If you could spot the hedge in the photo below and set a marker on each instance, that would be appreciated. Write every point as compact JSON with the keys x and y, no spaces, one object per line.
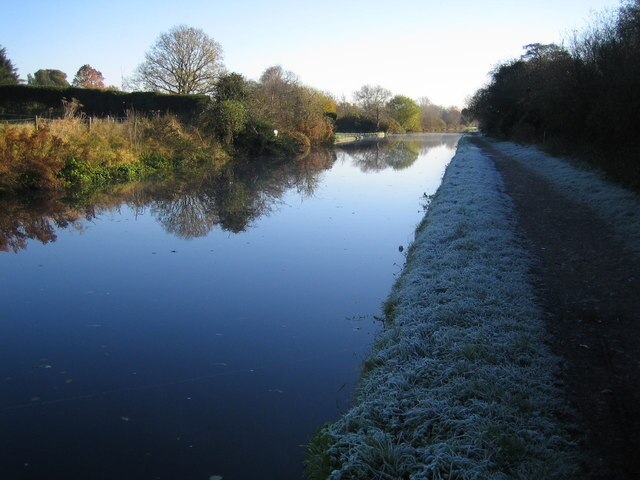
{"x":23,"y":99}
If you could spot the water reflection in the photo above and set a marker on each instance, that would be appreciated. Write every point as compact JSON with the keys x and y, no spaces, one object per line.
{"x":185,"y":358}
{"x":397,"y":152}
{"x":36,"y":218}
{"x":231,"y":197}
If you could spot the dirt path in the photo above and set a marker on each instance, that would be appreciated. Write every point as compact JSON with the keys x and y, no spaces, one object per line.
{"x":588,"y":284}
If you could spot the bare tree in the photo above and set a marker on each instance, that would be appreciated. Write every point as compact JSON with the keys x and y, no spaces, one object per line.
{"x":184,"y":60}
{"x":372,"y":99}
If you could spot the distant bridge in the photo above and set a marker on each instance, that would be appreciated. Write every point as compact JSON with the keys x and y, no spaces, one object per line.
{"x":354,"y":137}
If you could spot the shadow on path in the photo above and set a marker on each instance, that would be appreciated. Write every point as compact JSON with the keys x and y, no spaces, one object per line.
{"x":588,"y":285}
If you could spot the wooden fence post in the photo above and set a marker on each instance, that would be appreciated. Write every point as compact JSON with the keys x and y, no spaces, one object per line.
{"x":90,"y":120}
{"x":37,"y":122}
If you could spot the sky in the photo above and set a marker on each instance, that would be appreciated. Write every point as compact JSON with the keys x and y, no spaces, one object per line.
{"x":440,"y":49}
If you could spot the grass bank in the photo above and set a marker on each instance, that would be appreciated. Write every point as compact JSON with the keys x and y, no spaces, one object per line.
{"x":77,"y":154}
{"x":70,"y":153}
{"x":460,"y":383}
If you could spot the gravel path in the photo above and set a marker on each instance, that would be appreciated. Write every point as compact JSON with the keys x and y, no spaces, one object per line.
{"x":587,"y":280}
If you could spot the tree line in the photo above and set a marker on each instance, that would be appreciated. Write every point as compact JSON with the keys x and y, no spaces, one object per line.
{"x":86,"y":77}
{"x":242,"y":112}
{"x":577,"y":99}
{"x":374,"y":109}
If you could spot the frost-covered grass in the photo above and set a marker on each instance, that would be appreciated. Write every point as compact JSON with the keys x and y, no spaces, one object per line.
{"x":617,"y":207}
{"x":459,"y":384}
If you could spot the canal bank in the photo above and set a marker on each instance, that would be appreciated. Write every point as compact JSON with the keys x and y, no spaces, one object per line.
{"x":460,"y":383}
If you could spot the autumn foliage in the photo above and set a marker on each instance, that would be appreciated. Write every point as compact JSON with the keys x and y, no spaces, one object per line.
{"x":88,"y":77}
{"x":30,"y":159}
{"x":67,"y":153}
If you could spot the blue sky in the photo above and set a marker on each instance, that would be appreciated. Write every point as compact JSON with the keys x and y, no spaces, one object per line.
{"x":439,"y":49}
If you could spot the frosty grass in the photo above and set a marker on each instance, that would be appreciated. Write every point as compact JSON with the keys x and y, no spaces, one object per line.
{"x":460,"y":383}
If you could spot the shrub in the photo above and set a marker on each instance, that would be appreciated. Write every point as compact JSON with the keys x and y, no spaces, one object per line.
{"x":30,"y":159}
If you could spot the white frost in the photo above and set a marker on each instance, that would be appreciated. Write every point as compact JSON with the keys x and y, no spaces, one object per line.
{"x":460,"y":383}
{"x":615,"y":206}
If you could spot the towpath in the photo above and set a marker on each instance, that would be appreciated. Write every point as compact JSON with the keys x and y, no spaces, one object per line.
{"x":588,"y":284}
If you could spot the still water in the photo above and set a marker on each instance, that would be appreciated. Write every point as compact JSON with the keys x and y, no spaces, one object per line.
{"x":197,"y":327}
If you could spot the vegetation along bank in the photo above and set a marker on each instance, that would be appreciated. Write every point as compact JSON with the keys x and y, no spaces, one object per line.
{"x":460,"y":383}
{"x":580,"y":98}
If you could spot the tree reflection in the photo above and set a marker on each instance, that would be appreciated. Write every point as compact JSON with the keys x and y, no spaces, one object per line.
{"x":231,"y":197}
{"x":36,"y":218}
{"x":397,"y":152}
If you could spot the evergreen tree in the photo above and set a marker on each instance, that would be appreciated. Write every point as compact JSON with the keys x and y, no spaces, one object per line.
{"x":8,"y":73}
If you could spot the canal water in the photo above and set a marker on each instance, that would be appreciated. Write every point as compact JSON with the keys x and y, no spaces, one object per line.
{"x":199,"y":327}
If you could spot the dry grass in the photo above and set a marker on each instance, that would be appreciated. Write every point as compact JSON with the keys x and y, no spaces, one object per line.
{"x":72,"y":150}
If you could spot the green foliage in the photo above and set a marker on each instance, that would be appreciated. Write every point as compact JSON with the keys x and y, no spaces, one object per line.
{"x":231,"y":86}
{"x":394,"y":127}
{"x":232,"y":118}
{"x":227,"y":115}
{"x":19,"y":98}
{"x":355,"y":122}
{"x":48,"y":78}
{"x":317,"y":464}
{"x":76,"y":172}
{"x":8,"y":73}
{"x":406,"y":112}
{"x":258,"y":138}
{"x":156,"y":161}
{"x":402,"y":114}
{"x":79,"y":174}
